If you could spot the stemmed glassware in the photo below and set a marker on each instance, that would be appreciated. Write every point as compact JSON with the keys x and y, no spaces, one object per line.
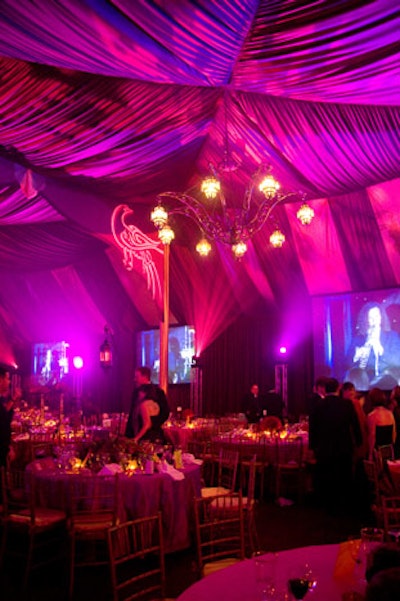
{"x":301,"y":580}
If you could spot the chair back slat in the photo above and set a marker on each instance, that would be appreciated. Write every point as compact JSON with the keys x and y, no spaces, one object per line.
{"x":136,"y":551}
{"x":219,"y":528}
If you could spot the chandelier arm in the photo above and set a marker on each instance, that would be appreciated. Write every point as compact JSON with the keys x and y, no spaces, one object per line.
{"x":191,"y":207}
{"x":221,"y":192}
{"x":249,"y":194}
{"x":264,"y":211}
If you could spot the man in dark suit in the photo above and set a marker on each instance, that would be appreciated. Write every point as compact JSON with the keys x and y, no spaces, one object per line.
{"x":334,"y":429}
{"x":318,"y":393}
{"x":253,"y":405}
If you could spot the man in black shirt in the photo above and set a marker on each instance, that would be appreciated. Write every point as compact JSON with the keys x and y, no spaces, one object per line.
{"x":149,"y":409}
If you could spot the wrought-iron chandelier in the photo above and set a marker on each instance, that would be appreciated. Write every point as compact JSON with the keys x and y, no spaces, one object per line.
{"x":216,"y":218}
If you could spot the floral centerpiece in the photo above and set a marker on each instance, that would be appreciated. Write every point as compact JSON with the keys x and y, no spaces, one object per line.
{"x":188,"y":415}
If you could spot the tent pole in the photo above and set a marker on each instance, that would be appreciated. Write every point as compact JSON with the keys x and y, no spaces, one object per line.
{"x":164,"y":325}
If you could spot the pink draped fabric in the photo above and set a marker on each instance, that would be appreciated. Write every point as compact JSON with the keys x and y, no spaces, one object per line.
{"x":279,"y":48}
{"x":74,"y":291}
{"x":319,"y":250}
{"x":209,"y":308}
{"x":385,"y":201}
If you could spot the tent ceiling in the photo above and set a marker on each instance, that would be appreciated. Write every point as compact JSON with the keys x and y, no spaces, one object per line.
{"x":113,"y":102}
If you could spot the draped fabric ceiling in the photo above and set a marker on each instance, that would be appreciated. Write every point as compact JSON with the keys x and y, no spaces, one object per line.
{"x":109,"y":103}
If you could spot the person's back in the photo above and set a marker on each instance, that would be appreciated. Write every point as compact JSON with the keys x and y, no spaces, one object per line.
{"x":384,"y":586}
{"x":158,"y":395}
{"x":334,"y":430}
{"x":381,"y":423}
{"x":335,"y":426}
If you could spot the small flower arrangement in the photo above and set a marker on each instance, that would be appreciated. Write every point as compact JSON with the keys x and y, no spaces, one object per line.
{"x":188,"y":415}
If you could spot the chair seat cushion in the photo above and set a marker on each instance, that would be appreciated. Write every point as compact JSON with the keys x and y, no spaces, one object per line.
{"x":43,"y":517}
{"x":220,"y":564}
{"x":213,"y":491}
{"x":93,"y":523}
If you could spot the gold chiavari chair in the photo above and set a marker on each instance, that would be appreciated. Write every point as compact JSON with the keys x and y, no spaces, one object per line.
{"x":136,"y":551}
{"x":219,"y":532}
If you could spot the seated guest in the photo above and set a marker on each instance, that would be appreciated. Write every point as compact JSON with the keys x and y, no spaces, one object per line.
{"x":383,"y":557}
{"x":381,"y":424}
{"x":384,"y":586}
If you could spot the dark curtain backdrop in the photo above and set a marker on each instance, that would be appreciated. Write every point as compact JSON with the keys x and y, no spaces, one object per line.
{"x":246,"y":353}
{"x":252,"y":344}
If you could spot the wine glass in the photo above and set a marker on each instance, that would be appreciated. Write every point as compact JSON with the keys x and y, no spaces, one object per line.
{"x":301,"y":580}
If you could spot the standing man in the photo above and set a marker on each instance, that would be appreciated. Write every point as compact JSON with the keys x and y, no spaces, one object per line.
{"x":334,"y":429}
{"x":6,"y":414}
{"x":149,"y":409}
{"x":318,"y":393}
{"x":253,"y":405}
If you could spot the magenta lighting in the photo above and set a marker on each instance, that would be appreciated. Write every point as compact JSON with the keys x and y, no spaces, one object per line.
{"x":283,"y":350}
{"x":77,"y":362}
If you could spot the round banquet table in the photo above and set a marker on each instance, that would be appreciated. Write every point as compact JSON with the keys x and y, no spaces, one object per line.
{"x":265,"y":448}
{"x":332,"y":565}
{"x":141,"y":495}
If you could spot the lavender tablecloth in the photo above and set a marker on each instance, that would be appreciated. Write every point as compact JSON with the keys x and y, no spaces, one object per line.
{"x":140,"y":495}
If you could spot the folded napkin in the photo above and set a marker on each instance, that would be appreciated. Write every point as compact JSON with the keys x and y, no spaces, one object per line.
{"x":38,"y":465}
{"x":189,"y":458}
{"x":24,"y":436}
{"x":110,"y":469}
{"x":345,"y":561}
{"x":169,"y":469}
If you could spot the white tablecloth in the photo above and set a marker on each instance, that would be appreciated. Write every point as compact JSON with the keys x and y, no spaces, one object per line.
{"x":238,"y":582}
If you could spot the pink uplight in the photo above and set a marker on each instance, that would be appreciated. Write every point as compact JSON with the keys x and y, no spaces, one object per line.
{"x":77,"y":362}
{"x":283,"y":350}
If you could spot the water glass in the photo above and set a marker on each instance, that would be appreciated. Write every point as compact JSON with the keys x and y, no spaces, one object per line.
{"x":370,"y":539}
{"x":265,"y":574}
